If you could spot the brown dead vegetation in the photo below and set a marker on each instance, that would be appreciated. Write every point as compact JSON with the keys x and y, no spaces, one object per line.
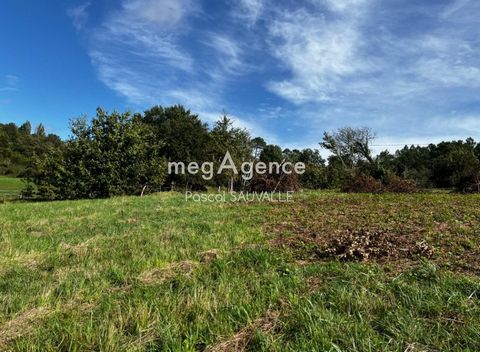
{"x":209,"y":256}
{"x":367,"y":184}
{"x":25,"y":323}
{"x":386,"y":230}
{"x":80,"y":249}
{"x":240,"y":341}
{"x":364,"y":245}
{"x":160,"y":275}
{"x":22,"y":324}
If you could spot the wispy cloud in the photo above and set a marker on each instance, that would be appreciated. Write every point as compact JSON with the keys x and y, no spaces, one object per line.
{"x":229,"y":54}
{"x":145,"y":51}
{"x":455,"y":6}
{"x":250,"y":10}
{"x":312,"y":65}
{"x":137,"y":52}
{"x":347,"y":56}
{"x":10,"y":84}
{"x":79,"y":15}
{"x":319,"y":53}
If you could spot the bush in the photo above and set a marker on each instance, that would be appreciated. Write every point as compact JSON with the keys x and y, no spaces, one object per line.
{"x":399,"y":185}
{"x":367,"y":184}
{"x":363,"y":184}
{"x":469,"y":185}
{"x":114,"y":154}
{"x":315,"y":177}
{"x":274,"y":183}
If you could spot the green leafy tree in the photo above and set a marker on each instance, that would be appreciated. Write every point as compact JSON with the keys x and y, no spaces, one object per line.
{"x":185,"y":138}
{"x":271,"y":153}
{"x":225,"y":137}
{"x":258,"y":143}
{"x":115,"y":154}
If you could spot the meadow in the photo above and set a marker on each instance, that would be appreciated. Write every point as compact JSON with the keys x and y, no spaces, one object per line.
{"x":10,"y":187}
{"x":329,"y":272}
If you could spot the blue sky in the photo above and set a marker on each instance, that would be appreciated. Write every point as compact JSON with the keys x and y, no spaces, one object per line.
{"x":285,"y":70}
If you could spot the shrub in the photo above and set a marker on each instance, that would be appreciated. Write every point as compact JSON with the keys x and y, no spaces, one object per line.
{"x":274,"y":183}
{"x":367,"y":184}
{"x":363,"y":184}
{"x":399,"y":185}
{"x":314,"y":177}
{"x":469,"y":185}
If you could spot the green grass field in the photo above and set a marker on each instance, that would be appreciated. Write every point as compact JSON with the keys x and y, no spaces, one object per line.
{"x":10,"y":187}
{"x":330,"y":272}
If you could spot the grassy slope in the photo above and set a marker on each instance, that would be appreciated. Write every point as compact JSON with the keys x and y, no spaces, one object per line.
{"x":10,"y":186}
{"x":128,"y":274}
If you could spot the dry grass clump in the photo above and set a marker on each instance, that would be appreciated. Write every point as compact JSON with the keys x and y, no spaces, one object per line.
{"x":25,"y":323}
{"x":209,"y":256}
{"x":22,"y":324}
{"x":240,"y":341}
{"x":363,"y":184}
{"x":159,"y":275}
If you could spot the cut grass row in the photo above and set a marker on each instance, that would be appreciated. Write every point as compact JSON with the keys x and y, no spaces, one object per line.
{"x":130,"y":274}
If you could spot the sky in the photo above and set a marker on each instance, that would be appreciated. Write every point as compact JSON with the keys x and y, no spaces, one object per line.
{"x":286,"y":70}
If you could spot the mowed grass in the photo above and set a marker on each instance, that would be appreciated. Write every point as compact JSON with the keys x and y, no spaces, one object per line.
{"x":10,"y":187}
{"x":158,"y":273}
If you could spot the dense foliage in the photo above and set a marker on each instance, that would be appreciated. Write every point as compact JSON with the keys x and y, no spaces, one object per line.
{"x":453,"y":164}
{"x":123,"y":153}
{"x":18,"y":146}
{"x":115,"y":154}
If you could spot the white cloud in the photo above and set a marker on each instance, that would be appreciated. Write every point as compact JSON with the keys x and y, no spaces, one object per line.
{"x":165,"y":13}
{"x":149,"y":38}
{"x":358,"y":58}
{"x":144,"y":52}
{"x":10,"y":84}
{"x":136,"y":51}
{"x":228,"y":53}
{"x":320,"y":53}
{"x":455,"y":6}
{"x":250,"y":10}
{"x":329,"y":62}
{"x":79,"y":15}
{"x":353,"y":6}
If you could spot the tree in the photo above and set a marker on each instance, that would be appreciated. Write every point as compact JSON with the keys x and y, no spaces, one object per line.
{"x":258,"y":143}
{"x":185,"y":139}
{"x":18,"y":146}
{"x":225,"y":137}
{"x":454,"y":164}
{"x":336,"y":173}
{"x":25,"y":129}
{"x":351,"y":154}
{"x":271,"y":153}
{"x":115,"y":154}
{"x":40,"y":131}
{"x":349,"y":145}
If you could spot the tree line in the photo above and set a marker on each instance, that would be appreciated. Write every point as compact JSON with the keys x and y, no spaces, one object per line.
{"x":20,"y":145}
{"x":126,"y":154}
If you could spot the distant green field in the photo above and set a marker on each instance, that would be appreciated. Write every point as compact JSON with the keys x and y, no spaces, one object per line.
{"x":330,"y":272}
{"x":10,"y":186}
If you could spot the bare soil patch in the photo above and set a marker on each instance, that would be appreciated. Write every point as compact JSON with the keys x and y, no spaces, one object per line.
{"x":384,"y":229}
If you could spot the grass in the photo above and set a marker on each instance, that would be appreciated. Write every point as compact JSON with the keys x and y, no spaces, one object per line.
{"x":160,"y":274}
{"x":10,"y":187}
